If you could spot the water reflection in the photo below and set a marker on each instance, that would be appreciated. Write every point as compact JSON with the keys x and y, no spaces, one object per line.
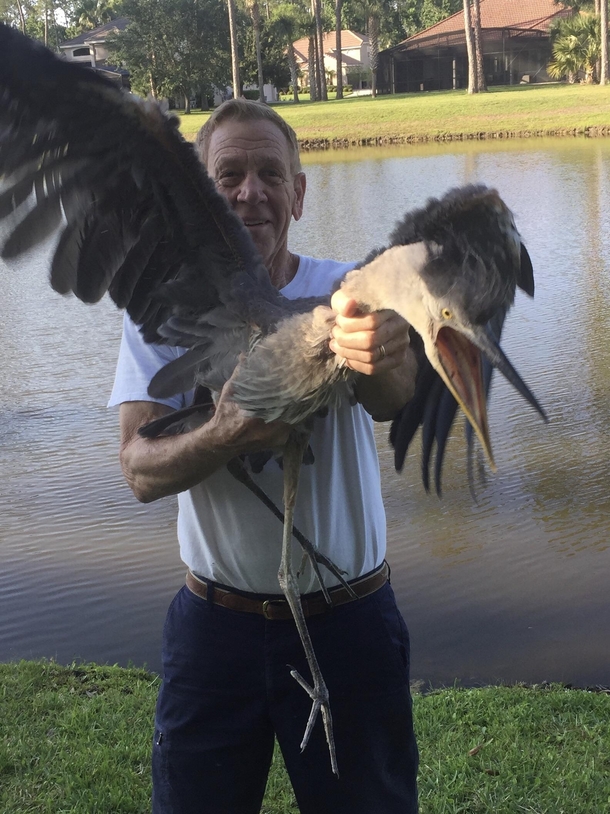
{"x":511,"y":587}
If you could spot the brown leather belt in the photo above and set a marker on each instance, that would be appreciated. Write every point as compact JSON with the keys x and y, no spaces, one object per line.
{"x":277,"y":607}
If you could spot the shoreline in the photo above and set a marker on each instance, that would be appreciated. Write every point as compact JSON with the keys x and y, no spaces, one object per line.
{"x":312,"y":145}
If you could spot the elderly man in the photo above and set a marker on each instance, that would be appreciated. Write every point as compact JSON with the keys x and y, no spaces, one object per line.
{"x":227,"y":690}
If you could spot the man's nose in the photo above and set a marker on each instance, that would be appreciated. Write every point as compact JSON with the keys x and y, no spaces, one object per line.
{"x":251,"y":190}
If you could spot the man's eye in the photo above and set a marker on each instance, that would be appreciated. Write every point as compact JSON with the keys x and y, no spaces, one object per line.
{"x":227,"y":179}
{"x":273,"y":176}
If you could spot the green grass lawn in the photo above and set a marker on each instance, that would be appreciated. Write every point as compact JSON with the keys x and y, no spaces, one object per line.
{"x":76,"y":740}
{"x":533,"y":109}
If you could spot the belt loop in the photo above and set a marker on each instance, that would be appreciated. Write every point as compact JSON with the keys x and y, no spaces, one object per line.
{"x":387,"y":565}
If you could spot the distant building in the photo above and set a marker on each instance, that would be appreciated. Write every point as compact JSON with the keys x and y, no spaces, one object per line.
{"x":355,"y":59}
{"x":90,"y":48}
{"x":516,"y":49}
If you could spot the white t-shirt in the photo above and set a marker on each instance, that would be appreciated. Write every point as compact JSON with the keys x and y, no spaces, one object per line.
{"x":225,"y":533}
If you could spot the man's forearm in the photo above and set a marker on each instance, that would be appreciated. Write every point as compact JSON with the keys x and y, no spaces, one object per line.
{"x":158,"y":467}
{"x":384,"y":394}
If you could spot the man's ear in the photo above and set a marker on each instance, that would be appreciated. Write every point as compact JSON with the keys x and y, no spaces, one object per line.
{"x":300,"y":185}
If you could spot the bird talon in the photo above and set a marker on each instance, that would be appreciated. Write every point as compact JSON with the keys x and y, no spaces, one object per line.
{"x":319,"y":696}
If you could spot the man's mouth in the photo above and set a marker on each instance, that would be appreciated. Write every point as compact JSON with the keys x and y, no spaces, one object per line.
{"x":253,"y":223}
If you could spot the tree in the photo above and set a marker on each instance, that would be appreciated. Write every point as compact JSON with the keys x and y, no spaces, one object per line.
{"x":478,"y":46}
{"x":603,"y":27}
{"x":338,"y":29}
{"x":234,"y":47}
{"x":289,"y":22}
{"x":255,"y":16}
{"x":38,"y":19}
{"x":374,"y":12}
{"x":274,"y":64}
{"x":93,"y":13}
{"x":374,"y":15}
{"x":312,"y":68}
{"x":174,"y":46}
{"x":470,"y":48}
{"x":576,"y":47}
{"x":433,"y":11}
{"x":319,"y":49}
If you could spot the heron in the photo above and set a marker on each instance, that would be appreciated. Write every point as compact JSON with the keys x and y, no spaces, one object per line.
{"x":138,"y":217}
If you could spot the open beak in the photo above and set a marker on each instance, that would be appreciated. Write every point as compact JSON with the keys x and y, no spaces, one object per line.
{"x":460,"y":367}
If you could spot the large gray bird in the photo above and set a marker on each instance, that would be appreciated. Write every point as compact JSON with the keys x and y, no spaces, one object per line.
{"x":139,"y":218}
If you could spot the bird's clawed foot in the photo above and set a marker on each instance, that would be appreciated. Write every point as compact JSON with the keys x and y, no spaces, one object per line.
{"x":319,"y":696}
{"x":315,"y":556}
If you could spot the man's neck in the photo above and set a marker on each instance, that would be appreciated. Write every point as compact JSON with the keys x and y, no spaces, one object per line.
{"x":283,"y":272}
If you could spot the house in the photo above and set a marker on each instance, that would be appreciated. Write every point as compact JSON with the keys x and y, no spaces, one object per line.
{"x":355,"y":58}
{"x":516,"y":49}
{"x":90,"y":48}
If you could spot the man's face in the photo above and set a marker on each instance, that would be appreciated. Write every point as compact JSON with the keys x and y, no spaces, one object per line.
{"x":250,"y":163}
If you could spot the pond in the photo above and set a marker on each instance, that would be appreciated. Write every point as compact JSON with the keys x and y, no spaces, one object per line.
{"x":512,"y":587}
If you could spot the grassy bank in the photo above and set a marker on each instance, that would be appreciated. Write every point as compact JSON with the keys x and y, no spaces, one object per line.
{"x":525,"y":110}
{"x":77,"y":740}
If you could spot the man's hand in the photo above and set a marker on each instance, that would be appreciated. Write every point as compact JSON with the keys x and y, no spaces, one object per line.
{"x":370,"y":343}
{"x":232,"y":429}
{"x":377,"y":345}
{"x":162,"y":466}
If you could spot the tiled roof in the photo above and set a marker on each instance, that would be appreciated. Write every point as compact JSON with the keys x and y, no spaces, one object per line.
{"x":525,"y":14}
{"x":99,"y":34}
{"x":349,"y":39}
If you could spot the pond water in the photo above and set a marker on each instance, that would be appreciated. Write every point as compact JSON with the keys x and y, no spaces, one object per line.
{"x":510,"y":588}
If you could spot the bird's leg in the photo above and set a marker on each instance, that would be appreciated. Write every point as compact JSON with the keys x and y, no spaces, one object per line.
{"x":238,"y":471}
{"x":293,"y":455}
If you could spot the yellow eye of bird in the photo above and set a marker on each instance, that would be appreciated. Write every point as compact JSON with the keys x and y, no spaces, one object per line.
{"x":446,"y":313}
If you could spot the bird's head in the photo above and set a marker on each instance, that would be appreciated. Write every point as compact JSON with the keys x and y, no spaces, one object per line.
{"x":451,"y":271}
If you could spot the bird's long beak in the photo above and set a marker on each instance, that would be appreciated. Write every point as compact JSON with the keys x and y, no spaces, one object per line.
{"x":460,"y":367}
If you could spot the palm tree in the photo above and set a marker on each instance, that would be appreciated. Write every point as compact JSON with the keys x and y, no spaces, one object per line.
{"x":470,"y":48}
{"x":603,"y":27}
{"x":92,"y":13}
{"x":373,"y":11}
{"x":289,"y":22}
{"x":253,"y":8}
{"x":576,"y":47}
{"x":234,"y":48}
{"x":317,"y":13}
{"x":373,"y":26}
{"x":338,"y":29}
{"x":478,"y":46}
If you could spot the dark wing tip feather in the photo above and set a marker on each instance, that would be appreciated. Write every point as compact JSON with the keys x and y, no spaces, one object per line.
{"x":525,"y":278}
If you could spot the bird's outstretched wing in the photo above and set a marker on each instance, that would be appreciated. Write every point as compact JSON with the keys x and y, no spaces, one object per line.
{"x":133,"y":204}
{"x":433,"y":407}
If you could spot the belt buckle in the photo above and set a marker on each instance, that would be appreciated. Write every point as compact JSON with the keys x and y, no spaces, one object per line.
{"x":268,"y":603}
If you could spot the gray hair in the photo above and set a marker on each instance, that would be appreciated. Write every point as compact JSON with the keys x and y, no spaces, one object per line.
{"x":246,"y":110}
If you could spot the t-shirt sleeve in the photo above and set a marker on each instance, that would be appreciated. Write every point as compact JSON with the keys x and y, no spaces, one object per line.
{"x":137,"y":364}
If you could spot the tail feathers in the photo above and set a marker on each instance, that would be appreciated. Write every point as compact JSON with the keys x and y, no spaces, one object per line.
{"x":408,"y":421}
{"x":447,"y":409}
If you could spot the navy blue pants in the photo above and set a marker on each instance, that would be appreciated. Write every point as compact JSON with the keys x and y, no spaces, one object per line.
{"x":227,"y":691}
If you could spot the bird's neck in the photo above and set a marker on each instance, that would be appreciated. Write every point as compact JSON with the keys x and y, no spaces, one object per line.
{"x":390,"y":280}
